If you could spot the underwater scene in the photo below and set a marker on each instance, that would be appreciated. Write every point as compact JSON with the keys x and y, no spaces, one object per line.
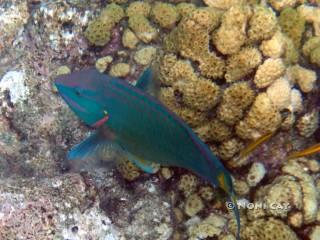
{"x":159,"y":120}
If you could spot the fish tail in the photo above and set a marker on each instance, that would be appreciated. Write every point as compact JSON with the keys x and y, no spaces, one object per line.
{"x":233,"y":200}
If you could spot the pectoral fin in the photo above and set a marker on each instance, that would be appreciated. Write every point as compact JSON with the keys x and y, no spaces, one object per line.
{"x":147,"y":82}
{"x":99,"y":144}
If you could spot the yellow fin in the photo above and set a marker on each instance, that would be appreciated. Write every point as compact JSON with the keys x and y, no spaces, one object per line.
{"x":254,"y":144}
{"x":305,"y":152}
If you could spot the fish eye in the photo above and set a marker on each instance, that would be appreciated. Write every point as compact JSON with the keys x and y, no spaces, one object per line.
{"x":78,"y":91}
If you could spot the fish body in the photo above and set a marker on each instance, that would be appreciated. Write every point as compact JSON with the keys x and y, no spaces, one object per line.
{"x":140,"y":125}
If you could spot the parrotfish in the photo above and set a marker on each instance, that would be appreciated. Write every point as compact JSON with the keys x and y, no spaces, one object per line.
{"x":128,"y":118}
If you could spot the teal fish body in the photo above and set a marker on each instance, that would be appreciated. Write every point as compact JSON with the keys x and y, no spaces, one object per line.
{"x":140,"y":124}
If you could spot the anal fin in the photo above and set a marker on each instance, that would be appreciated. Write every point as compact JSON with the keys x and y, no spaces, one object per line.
{"x":146,"y":166}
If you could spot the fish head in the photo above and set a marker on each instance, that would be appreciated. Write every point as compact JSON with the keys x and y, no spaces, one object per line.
{"x":84,"y":92}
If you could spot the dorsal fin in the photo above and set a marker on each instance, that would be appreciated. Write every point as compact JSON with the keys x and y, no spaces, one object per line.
{"x":147,"y":82}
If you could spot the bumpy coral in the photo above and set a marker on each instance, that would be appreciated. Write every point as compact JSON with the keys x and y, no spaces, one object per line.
{"x":138,"y":8}
{"x":242,"y":64}
{"x":268,"y":229}
{"x":184,"y":9}
{"x":280,"y":93}
{"x":233,"y":27}
{"x":120,"y":70}
{"x":223,"y":4}
{"x":206,"y":193}
{"x":98,"y":31}
{"x":308,"y":189}
{"x":293,"y":24}
{"x":310,"y":45}
{"x":268,"y":72}
{"x":262,"y":25}
{"x":193,"y":205}
{"x":281,"y":4}
{"x":214,"y":131}
{"x":274,"y":47}
{"x":292,"y":195}
{"x":236,"y":98}
{"x":145,"y":55}
{"x":305,"y":78}
{"x":311,"y":15}
{"x":128,"y":170}
{"x":315,"y":56}
{"x":229,"y":148}
{"x":196,"y":27}
{"x":142,"y":28}
{"x":256,"y":174}
{"x":241,"y":187}
{"x":165,"y":14}
{"x":201,"y":95}
{"x":102,"y":63}
{"x":212,"y":226}
{"x":308,"y":123}
{"x":188,"y":184}
{"x":311,"y":49}
{"x":172,"y":70}
{"x":262,"y":118}
{"x":129,"y":39}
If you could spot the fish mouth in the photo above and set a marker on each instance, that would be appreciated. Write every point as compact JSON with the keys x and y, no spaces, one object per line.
{"x":62,"y":89}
